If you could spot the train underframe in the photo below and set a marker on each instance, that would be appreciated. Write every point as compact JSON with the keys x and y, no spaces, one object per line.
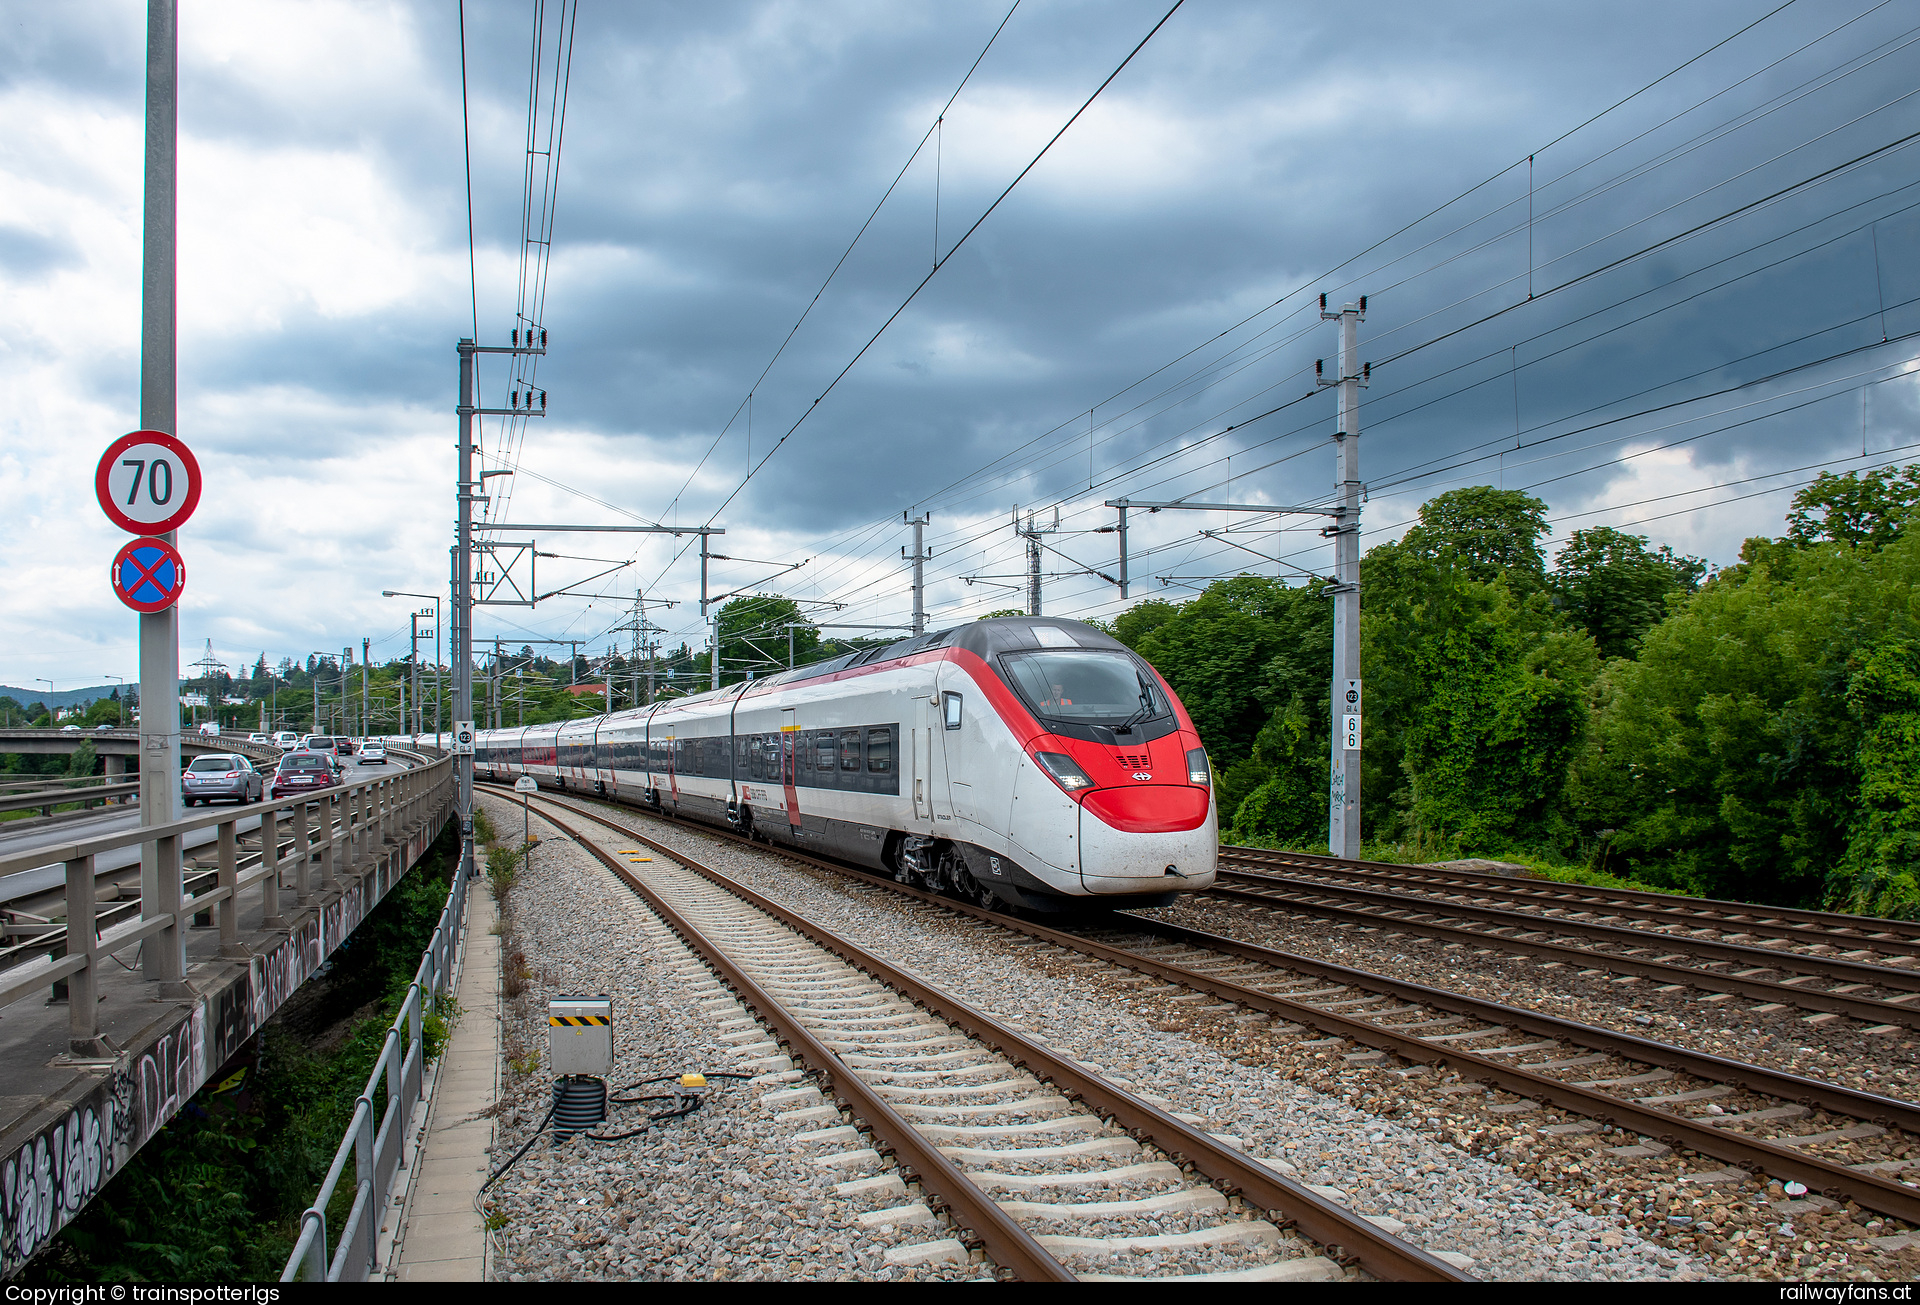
{"x":965,"y":871}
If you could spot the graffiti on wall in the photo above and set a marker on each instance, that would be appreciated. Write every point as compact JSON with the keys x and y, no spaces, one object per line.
{"x":45,"y":1182}
{"x":48,"y":1178}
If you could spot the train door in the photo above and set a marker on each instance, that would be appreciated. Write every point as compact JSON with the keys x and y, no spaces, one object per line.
{"x":578,"y":758}
{"x":789,"y":780}
{"x":929,"y":782}
{"x":951,"y":728}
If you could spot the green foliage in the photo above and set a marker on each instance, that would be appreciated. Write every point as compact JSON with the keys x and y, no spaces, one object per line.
{"x":1880,"y":873}
{"x":1483,"y":534}
{"x":483,"y":831}
{"x":216,"y":1195}
{"x":503,"y":869}
{"x":81,"y":764}
{"x":1474,"y":686}
{"x":1867,"y":510}
{"x":1612,"y":586}
{"x":753,"y":636}
{"x":1726,"y":759}
{"x":1487,"y":750}
{"x":1005,"y":611}
{"x":1215,"y":652}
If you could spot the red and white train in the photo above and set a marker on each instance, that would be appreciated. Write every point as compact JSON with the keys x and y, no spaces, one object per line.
{"x":1019,"y":760}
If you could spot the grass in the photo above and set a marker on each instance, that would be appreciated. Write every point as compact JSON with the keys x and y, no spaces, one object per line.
{"x":1416,"y":853}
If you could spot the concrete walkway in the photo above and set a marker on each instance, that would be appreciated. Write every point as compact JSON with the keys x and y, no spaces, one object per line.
{"x":440,"y":1237}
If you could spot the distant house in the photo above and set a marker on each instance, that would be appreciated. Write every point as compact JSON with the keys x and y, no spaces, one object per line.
{"x":587,"y":690}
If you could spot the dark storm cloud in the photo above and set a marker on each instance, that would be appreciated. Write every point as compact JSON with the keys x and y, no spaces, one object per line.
{"x":726,"y":153}
{"x":718,"y":158}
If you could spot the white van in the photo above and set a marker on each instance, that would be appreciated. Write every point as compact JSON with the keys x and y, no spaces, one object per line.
{"x":286,"y":740}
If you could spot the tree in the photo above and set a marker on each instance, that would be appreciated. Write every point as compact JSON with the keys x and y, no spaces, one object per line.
{"x":1214,"y":653}
{"x":1880,"y":873}
{"x":1867,"y":510}
{"x":1142,"y":619}
{"x":1610,"y":585}
{"x":1726,"y":759}
{"x":1005,"y":611}
{"x":260,"y":670}
{"x":753,"y":637}
{"x":1483,"y":534}
{"x":1428,"y":615}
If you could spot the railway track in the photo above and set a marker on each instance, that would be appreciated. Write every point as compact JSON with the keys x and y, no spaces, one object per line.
{"x":1778,"y":971}
{"x":1037,"y":1154}
{"x":1843,"y":1144}
{"x":1696,"y":914}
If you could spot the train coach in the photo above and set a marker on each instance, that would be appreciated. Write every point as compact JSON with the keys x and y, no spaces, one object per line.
{"x":1017,"y":761}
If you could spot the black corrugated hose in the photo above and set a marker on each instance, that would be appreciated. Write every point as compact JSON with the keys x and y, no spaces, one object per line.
{"x":580,"y":1103}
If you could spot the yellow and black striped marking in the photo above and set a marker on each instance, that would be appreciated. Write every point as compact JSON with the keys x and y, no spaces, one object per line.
{"x":579,"y":1020}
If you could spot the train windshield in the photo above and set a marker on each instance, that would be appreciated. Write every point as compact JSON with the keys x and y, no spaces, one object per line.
{"x":1092,"y":688}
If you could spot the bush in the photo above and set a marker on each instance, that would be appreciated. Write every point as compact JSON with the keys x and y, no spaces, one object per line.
{"x":503,"y":869}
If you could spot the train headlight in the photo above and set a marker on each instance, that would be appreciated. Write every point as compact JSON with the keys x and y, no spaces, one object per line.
{"x":1065,"y":772}
{"x":1198,"y":772}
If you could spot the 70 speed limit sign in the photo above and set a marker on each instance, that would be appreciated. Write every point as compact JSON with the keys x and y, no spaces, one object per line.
{"x":147,"y":482}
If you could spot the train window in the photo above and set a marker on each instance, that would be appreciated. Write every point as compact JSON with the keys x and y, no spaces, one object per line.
{"x":823,"y":753}
{"x":879,"y":751}
{"x":950,"y":704}
{"x":1098,"y":688}
{"x":850,"y":750}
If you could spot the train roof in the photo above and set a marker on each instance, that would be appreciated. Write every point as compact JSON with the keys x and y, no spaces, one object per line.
{"x":985,"y":639}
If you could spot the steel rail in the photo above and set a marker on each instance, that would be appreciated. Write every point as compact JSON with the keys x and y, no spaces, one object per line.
{"x":1832,"y":967}
{"x":1437,"y":889}
{"x":1834,"y":1181}
{"x":1010,"y":1245}
{"x":1342,"y":1232}
{"x":1862,"y":1008}
{"x":1889,"y":1112}
{"x":1548,"y":889}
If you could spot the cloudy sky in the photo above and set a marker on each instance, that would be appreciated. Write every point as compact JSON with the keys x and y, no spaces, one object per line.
{"x":1669,"y":318}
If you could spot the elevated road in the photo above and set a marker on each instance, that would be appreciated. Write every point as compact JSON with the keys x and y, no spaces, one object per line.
{"x":107,"y":1030}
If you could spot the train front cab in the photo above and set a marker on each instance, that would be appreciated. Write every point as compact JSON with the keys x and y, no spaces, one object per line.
{"x":1110,"y":793}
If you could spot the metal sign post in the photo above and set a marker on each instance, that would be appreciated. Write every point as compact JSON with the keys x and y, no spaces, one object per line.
{"x":163,"y":957}
{"x":526,"y":786}
{"x":1343,"y":789}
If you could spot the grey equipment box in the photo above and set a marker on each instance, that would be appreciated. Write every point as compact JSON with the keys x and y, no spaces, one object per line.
{"x":580,"y":1035}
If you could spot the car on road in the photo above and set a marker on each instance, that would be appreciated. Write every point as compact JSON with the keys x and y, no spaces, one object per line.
{"x":304,"y":772}
{"x":210,"y":728}
{"x":286,"y":740}
{"x":217,"y":776}
{"x":373,"y":754}
{"x":258,"y":738}
{"x":343,"y":745}
{"x":65,"y":728}
{"x":106,"y":727}
{"x":317,"y":743}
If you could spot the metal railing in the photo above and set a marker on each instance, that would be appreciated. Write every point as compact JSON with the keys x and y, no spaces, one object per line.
{"x":398,"y":1076}
{"x":309,"y":844}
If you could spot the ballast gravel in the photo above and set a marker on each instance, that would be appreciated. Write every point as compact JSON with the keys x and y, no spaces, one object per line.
{"x":721,"y":1193}
{"x":1447,"y":1199}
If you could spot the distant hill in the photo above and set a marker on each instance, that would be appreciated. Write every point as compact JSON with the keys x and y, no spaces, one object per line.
{"x":64,"y":698}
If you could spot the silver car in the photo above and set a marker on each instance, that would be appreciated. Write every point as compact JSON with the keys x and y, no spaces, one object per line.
{"x":220,"y":776}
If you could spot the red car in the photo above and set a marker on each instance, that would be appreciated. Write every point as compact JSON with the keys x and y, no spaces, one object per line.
{"x":304,"y":772}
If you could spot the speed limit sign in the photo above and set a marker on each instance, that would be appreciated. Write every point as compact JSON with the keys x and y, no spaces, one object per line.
{"x":147,"y":482}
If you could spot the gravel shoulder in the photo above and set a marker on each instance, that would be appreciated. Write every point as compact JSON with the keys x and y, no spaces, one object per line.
{"x":724,"y":1193}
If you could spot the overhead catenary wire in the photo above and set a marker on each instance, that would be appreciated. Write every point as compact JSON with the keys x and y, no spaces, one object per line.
{"x":870,"y":531}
